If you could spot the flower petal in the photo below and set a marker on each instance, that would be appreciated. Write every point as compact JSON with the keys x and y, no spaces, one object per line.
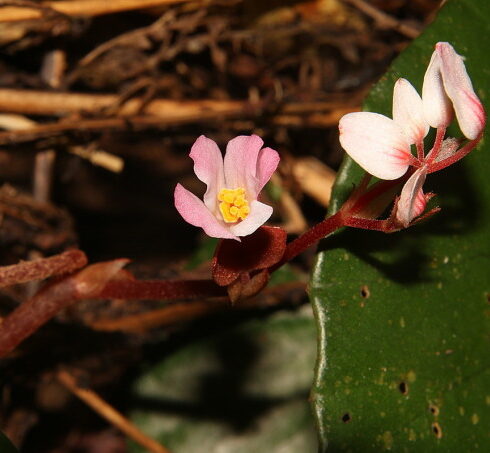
{"x":438,"y":110}
{"x":408,"y":111}
{"x":376,"y":143}
{"x":193,"y":210}
{"x":241,"y":163}
{"x":208,"y":167}
{"x":259,"y":214}
{"x":468,"y":108}
{"x":267,"y":163}
{"x":412,"y":200}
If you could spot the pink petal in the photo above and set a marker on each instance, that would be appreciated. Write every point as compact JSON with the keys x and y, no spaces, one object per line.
{"x":259,"y":214}
{"x":241,"y":163}
{"x":412,"y":200}
{"x":193,"y":210}
{"x":438,"y":110}
{"x":208,"y":166}
{"x":376,"y":143}
{"x":408,"y":111}
{"x":266,"y":165}
{"x":468,"y":108}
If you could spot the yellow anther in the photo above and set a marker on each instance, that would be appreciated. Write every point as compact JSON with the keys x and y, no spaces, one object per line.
{"x":234,"y":205}
{"x":240,"y":201}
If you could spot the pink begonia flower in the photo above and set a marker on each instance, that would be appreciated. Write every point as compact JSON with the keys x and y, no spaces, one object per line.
{"x":230,"y":207}
{"x":447,"y":86}
{"x":412,"y":200}
{"x":382,"y":146}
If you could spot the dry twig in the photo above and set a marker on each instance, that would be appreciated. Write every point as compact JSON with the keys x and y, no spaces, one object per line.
{"x":81,"y":8}
{"x":135,"y":114}
{"x":108,"y":412}
{"x":61,"y":104}
{"x":384,"y":20}
{"x":314,"y":178}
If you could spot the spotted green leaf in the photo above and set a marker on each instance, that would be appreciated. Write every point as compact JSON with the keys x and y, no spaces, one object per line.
{"x":404,"y":319}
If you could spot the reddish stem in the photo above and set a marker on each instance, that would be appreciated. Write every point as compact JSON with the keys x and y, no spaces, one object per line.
{"x":34,"y":312}
{"x":434,"y":152}
{"x":160,"y":290}
{"x":374,"y":192}
{"x":55,"y":296}
{"x":369,"y":224}
{"x":420,"y":150}
{"x":27,"y":271}
{"x":413,"y":161}
{"x":458,"y":155}
{"x":313,"y":235}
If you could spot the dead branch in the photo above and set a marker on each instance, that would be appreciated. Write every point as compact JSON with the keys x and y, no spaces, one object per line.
{"x":61,"y":104}
{"x":314,"y":178}
{"x":384,"y":20}
{"x":81,"y":8}
{"x":173,"y":314}
{"x":108,"y":412}
{"x":100,"y":124}
{"x":26,"y":220}
{"x":136,"y":114}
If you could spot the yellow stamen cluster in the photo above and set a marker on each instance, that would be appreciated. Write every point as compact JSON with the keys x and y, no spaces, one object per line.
{"x":233,"y":206}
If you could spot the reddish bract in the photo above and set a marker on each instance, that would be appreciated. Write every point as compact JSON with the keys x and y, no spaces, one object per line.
{"x":260,"y":250}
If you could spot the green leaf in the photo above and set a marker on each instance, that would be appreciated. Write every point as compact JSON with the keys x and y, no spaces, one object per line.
{"x":5,"y":445}
{"x":404,"y":318}
{"x":241,"y":390}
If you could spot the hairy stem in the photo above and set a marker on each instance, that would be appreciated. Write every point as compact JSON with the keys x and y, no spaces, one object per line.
{"x":26,"y":271}
{"x":458,"y":155}
{"x":160,"y":290}
{"x":311,"y":237}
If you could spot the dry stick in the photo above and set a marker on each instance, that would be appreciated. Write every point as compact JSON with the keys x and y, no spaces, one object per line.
{"x":141,"y":122}
{"x":294,"y":221}
{"x":43,"y":175}
{"x":314,"y":119}
{"x":133,"y":123}
{"x":159,"y":112}
{"x":106,"y":411}
{"x":43,"y":181}
{"x":63,"y":263}
{"x":49,"y":103}
{"x":314,"y":177}
{"x":56,"y":103}
{"x":162,"y":317}
{"x":81,"y":8}
{"x":384,"y":20}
